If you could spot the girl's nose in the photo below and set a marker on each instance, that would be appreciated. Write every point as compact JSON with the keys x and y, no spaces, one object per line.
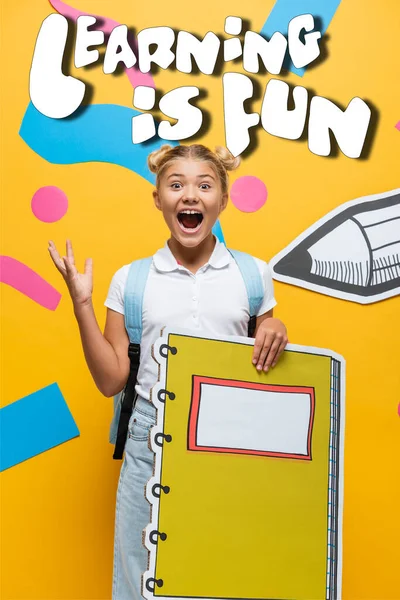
{"x":190,"y":195}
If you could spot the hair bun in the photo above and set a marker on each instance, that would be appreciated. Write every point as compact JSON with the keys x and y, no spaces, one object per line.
{"x":229,"y":161}
{"x":156,"y":157}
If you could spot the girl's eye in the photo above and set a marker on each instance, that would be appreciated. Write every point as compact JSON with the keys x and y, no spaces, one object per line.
{"x":176,"y":186}
{"x":205,"y":186}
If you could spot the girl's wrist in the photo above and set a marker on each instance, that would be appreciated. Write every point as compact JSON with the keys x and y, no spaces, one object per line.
{"x":81,"y":309}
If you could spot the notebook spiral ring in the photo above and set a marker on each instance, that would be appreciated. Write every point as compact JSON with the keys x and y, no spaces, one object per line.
{"x":157,"y":488}
{"x":156,"y":582}
{"x":165,"y":436}
{"x":162,"y":394}
{"x":164,"y":350}
{"x":154,"y":535}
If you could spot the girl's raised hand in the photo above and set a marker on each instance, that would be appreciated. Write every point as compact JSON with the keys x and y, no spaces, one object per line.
{"x":80,"y":285}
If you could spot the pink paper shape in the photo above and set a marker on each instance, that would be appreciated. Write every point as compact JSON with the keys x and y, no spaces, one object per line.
{"x":398,"y":125}
{"x":49,"y":204}
{"x":248,"y":193}
{"x":135,"y":76}
{"x":25,"y":280}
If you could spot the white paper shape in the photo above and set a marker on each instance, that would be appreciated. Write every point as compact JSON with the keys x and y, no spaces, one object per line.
{"x":250,"y":419}
{"x":352,"y":253}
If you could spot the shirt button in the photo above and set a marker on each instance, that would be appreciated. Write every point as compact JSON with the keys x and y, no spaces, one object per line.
{"x":194,"y":298}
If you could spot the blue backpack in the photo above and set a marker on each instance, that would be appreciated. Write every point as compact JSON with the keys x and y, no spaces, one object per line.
{"x":133,"y":301}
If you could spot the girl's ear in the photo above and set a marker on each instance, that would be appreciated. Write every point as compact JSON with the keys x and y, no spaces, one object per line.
{"x":224,"y":202}
{"x":156,"y":198}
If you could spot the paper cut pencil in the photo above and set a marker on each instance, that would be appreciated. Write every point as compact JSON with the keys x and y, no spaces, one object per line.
{"x":352,"y":253}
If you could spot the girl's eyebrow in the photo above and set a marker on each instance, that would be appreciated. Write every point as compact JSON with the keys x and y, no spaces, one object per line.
{"x":206,"y":175}
{"x":175,"y":175}
{"x":183,"y":176}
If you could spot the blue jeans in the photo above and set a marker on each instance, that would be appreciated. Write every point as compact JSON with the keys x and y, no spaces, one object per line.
{"x":132,"y":509}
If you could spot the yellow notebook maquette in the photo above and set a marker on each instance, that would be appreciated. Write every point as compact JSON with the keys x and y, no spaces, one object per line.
{"x":247,"y":488}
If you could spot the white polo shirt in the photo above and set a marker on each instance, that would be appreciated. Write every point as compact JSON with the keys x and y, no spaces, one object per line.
{"x":213,"y":300}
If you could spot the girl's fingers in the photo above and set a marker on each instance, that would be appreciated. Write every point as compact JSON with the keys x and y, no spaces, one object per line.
{"x":56,"y":258}
{"x":268,"y":341}
{"x":278,"y":354}
{"x":258,"y":344}
{"x":53,"y":251}
{"x":268,"y":346}
{"x":70,"y":252}
{"x":272,"y":353}
{"x":70,"y":268}
{"x":88,"y":267}
{"x":66,"y":264}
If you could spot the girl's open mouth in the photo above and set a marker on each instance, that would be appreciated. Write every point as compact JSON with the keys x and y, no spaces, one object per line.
{"x":190,"y":220}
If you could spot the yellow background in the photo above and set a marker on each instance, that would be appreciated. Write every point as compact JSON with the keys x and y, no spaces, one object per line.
{"x":243,"y":526}
{"x":57,"y":508}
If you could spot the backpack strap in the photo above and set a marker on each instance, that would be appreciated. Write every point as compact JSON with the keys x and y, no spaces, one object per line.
{"x":133,"y":303}
{"x":133,"y":300}
{"x":253,"y":282}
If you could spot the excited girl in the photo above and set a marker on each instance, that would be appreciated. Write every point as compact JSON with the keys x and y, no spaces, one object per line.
{"x":193,"y":282}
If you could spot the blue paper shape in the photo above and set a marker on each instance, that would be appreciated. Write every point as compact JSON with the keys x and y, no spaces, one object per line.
{"x":284,"y":11}
{"x":217,"y":231}
{"x":99,"y":132}
{"x":33,"y":425}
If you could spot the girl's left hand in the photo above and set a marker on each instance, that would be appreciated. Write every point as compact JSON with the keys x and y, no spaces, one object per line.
{"x":270,"y":342}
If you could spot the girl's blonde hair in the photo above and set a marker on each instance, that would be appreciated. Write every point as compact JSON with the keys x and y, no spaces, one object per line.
{"x":221,"y":160}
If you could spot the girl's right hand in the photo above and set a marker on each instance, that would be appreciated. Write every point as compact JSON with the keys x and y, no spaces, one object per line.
{"x":80,"y":285}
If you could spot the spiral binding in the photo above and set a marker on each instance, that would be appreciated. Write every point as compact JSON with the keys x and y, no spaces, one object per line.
{"x":155,"y":536}
{"x":165,"y":488}
{"x":172,"y":349}
{"x":166,"y":436}
{"x":162,"y":394}
{"x":157,"y":582}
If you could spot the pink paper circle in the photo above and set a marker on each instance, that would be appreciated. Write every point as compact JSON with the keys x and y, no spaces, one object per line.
{"x":248,"y":193}
{"x":49,"y":204}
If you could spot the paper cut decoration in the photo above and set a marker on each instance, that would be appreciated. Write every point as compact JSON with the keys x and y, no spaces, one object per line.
{"x":352,"y":253}
{"x":247,"y":488}
{"x":22,"y":278}
{"x":106,"y":25}
{"x":286,"y":10}
{"x":100,"y":132}
{"x":35,"y":424}
{"x":49,"y":204}
{"x":248,"y":193}
{"x":217,"y":231}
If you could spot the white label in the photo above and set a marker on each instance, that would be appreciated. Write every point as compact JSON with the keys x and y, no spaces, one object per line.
{"x":264,"y":420}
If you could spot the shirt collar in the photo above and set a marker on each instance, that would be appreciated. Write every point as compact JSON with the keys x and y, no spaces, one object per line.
{"x":165,"y":261}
